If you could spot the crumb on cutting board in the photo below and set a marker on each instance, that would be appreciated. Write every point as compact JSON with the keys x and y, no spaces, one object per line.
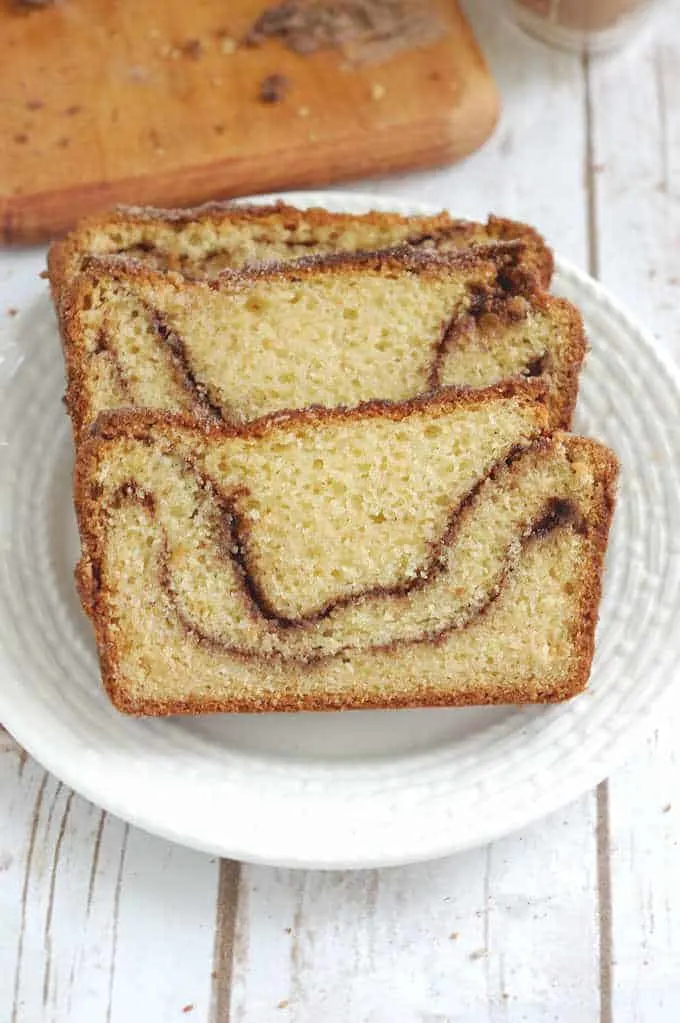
{"x":192,"y":48}
{"x":273,"y":88}
{"x":228,"y":45}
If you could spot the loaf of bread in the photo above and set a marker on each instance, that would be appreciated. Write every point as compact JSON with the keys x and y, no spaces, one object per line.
{"x":443,"y":551}
{"x":332,"y":331}
{"x":202,"y":242}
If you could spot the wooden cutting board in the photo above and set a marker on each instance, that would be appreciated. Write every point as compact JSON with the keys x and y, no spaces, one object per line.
{"x":158,"y":102}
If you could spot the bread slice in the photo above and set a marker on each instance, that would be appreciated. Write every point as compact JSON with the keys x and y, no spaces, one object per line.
{"x":439,"y":552}
{"x":202,"y":242}
{"x":332,"y":331}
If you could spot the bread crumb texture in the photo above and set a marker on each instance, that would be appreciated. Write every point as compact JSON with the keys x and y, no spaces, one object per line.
{"x":445,"y":552}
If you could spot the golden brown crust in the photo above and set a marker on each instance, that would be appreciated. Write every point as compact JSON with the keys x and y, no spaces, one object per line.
{"x":567,"y":375}
{"x":140,"y":425}
{"x":65,"y":256}
{"x":542,"y":258}
{"x":136,"y":423}
{"x":218,"y":213}
{"x":607,"y":471}
{"x":76,"y":397}
{"x":513,"y":693}
{"x":507,"y":258}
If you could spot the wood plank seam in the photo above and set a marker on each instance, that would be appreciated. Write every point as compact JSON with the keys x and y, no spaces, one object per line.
{"x":116,"y":915}
{"x":24,"y":893}
{"x":296,"y":960}
{"x":95,"y":861}
{"x":589,"y":172}
{"x":50,"y":900}
{"x":486,"y":922}
{"x":226,"y":913}
{"x":663,"y":120}
{"x":604,"y":890}
{"x":602,"y":828}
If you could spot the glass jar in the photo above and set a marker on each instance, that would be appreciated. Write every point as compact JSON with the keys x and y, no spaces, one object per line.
{"x":594,"y":26}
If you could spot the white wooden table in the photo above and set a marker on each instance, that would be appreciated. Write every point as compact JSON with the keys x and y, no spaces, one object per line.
{"x":578,"y":918}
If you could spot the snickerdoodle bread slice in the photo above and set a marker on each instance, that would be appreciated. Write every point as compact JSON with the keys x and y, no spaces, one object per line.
{"x":334,"y":331}
{"x":443,"y":551}
{"x":201,"y":242}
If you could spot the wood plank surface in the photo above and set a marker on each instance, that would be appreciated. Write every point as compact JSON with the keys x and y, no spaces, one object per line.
{"x":98,"y":921}
{"x":471,"y":938}
{"x":575,"y":919}
{"x":636,"y":184}
{"x":155,"y":102}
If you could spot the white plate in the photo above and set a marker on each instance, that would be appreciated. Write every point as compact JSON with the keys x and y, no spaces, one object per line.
{"x":355,"y":789}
